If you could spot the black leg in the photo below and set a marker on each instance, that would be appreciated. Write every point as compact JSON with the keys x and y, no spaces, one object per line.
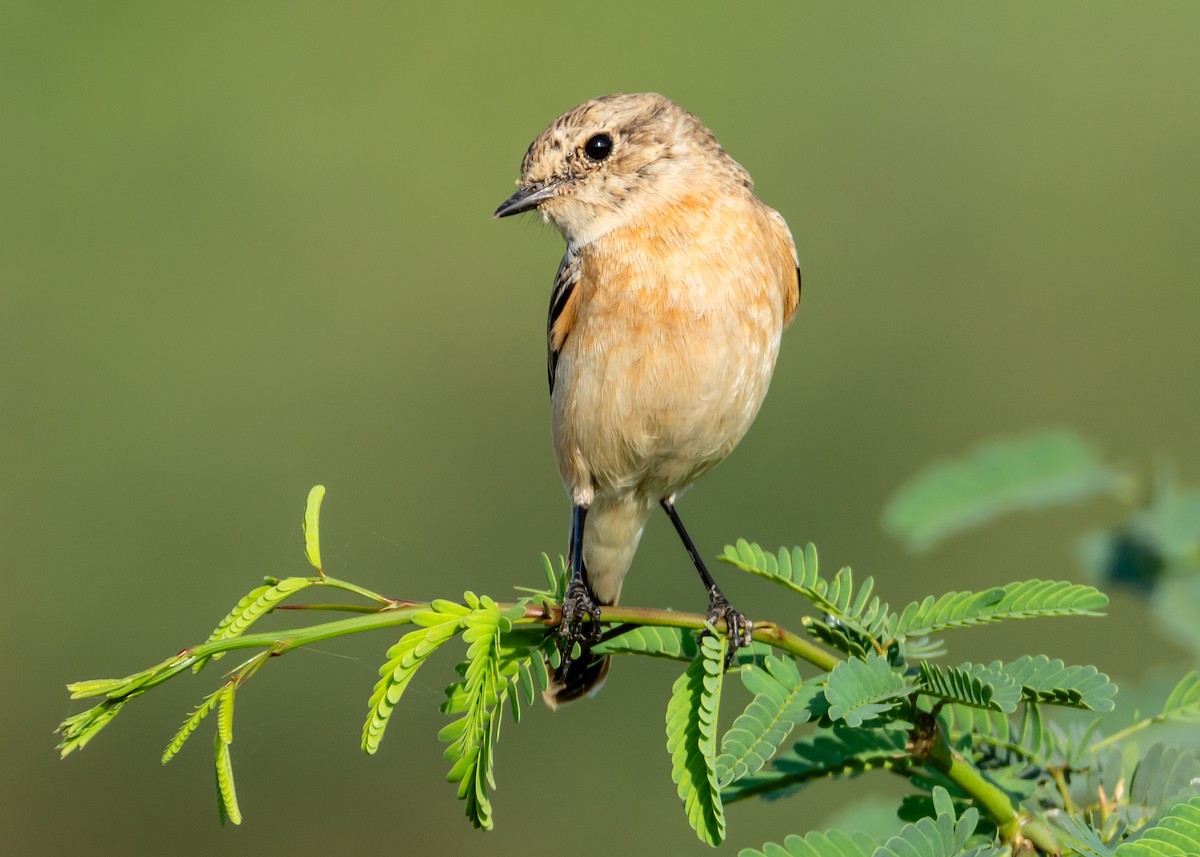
{"x":737,"y":626}
{"x":578,"y":602}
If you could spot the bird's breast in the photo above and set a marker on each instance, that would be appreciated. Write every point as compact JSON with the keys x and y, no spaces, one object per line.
{"x":670,"y":352}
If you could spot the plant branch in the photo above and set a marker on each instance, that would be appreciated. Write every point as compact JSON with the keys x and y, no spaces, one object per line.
{"x":1013,"y":826}
{"x":338,"y":608}
{"x":399,"y":612}
{"x":1122,"y":734}
{"x":764,"y":631}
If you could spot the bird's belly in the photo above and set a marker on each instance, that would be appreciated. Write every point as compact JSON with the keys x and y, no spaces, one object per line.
{"x":647,"y":412}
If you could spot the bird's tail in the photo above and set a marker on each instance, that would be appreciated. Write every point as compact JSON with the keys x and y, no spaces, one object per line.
{"x":610,"y":539}
{"x":583,"y":676}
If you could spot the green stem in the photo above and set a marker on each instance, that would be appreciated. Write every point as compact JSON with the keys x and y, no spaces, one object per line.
{"x":1013,"y":826}
{"x":401,"y":612}
{"x":355,"y":588}
{"x":1126,"y":732}
{"x":764,"y":631}
{"x":1060,"y":781}
{"x":280,"y":642}
{"x":1013,"y":747}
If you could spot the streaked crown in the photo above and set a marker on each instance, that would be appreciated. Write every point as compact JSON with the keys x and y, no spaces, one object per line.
{"x":616,"y":157}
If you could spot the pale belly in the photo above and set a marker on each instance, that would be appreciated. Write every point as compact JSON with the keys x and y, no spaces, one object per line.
{"x":641,"y":410}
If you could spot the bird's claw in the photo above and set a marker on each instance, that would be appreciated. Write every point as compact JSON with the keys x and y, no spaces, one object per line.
{"x":738,"y":627}
{"x":580,"y":621}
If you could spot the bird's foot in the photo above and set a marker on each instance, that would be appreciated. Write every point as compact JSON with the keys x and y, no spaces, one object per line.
{"x":580,"y":622}
{"x":738,"y":627}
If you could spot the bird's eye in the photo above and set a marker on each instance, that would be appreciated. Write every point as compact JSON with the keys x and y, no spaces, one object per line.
{"x":598,"y":147}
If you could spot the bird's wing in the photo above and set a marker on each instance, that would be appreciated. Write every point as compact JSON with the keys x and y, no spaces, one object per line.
{"x":562,"y":310}
{"x":787,"y":248}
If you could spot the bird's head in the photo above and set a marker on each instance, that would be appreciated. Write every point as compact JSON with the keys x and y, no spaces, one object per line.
{"x":612,"y":158}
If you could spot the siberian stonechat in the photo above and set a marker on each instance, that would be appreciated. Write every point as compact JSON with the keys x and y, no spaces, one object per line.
{"x":664,"y":326}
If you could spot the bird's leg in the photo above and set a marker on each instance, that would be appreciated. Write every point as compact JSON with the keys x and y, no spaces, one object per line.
{"x":737,"y":626}
{"x":578,"y":602}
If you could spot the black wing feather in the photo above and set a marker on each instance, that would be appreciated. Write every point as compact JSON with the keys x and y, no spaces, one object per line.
{"x":564,"y":284}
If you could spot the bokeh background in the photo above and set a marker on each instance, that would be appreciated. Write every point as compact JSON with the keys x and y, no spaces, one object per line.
{"x":245,"y":248}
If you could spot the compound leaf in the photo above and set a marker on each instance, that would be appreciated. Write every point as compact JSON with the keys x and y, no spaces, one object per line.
{"x":78,"y":729}
{"x":942,"y":836}
{"x":1183,"y":705}
{"x":1051,"y":681}
{"x":861,"y":690}
{"x":973,"y":685}
{"x":834,"y":843}
{"x":948,"y":497}
{"x":253,"y":606}
{"x":781,"y":703}
{"x":1020,"y":600}
{"x":828,"y":753}
{"x":192,"y":724}
{"x":441,"y":623}
{"x":1176,"y":834}
{"x":692,"y":738}
{"x":797,"y":570}
{"x":490,"y":675}
{"x":674,"y":643}
{"x":227,"y":803}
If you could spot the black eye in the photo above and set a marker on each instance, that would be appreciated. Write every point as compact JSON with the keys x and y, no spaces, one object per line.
{"x":598,"y":147}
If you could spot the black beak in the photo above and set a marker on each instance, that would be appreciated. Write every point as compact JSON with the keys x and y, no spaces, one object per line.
{"x":530,"y":196}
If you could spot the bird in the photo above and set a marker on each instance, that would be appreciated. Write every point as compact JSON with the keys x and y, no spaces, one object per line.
{"x":665,"y":321}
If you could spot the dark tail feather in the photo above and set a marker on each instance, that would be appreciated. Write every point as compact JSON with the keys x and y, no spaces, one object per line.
{"x":582,"y":677}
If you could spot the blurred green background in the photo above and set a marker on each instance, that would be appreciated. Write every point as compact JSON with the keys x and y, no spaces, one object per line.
{"x":249,"y":247}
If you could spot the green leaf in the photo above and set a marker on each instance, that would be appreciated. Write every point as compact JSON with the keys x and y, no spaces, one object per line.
{"x":225,"y":713}
{"x":943,"y":836}
{"x":76,"y":731}
{"x":312,"y":523}
{"x":555,"y":582}
{"x":1176,"y":834}
{"x":1163,"y":774}
{"x":1183,"y":705}
{"x":674,"y":643}
{"x":798,"y":571}
{"x":1072,"y":746}
{"x":781,"y":703}
{"x":1001,"y":476}
{"x":962,"y":720}
{"x":922,"y":648}
{"x":118,"y":687}
{"x":227,"y":803}
{"x":1075,"y":833}
{"x":553,"y":577}
{"x":253,"y":606}
{"x":1051,"y":681}
{"x":840,"y":636}
{"x":1035,"y":737}
{"x":192,"y":723}
{"x":861,"y":690}
{"x":863,"y":619}
{"x":490,"y":675}
{"x":692,"y":738}
{"x":470,"y":736}
{"x":827,"y":753}
{"x":441,"y":623}
{"x":1175,"y":603}
{"x":1020,"y":600}
{"x":973,"y":685}
{"x":834,"y":843}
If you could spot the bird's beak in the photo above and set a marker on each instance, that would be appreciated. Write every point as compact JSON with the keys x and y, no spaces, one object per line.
{"x":529,"y":196}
